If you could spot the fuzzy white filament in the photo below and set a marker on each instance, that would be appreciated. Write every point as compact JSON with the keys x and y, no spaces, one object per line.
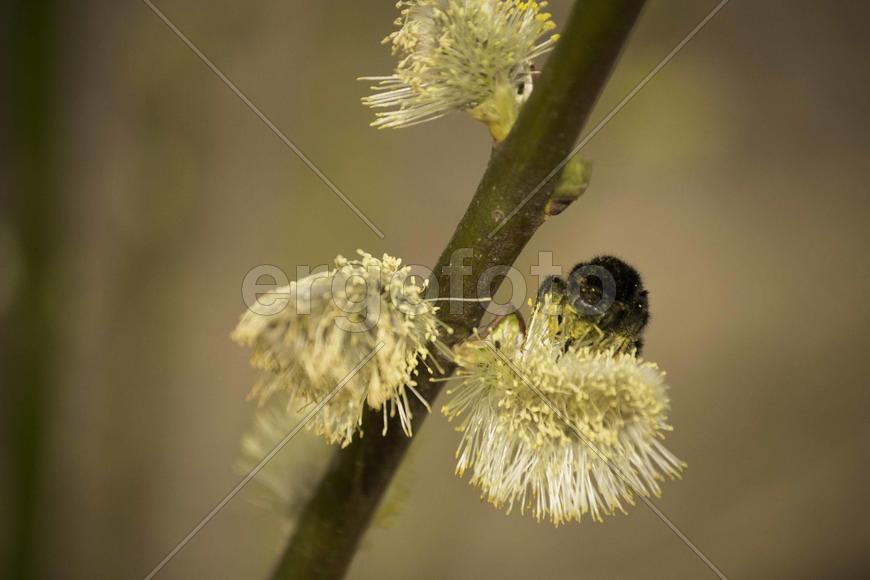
{"x":321,"y":326}
{"x":519,"y":447}
{"x":474,"y":56}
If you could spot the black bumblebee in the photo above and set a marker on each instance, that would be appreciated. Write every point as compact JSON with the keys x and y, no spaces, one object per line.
{"x":604,"y":292}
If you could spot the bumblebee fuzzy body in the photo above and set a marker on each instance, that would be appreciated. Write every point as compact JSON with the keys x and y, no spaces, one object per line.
{"x":604,"y":296}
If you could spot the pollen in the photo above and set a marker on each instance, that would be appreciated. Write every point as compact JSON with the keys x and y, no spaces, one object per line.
{"x":559,"y":432}
{"x":474,"y":56}
{"x":320,"y":328}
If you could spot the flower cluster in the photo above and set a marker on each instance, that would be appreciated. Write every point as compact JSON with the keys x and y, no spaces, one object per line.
{"x":317,"y":337}
{"x":562,"y":417}
{"x":560,"y":431}
{"x":474,"y":56}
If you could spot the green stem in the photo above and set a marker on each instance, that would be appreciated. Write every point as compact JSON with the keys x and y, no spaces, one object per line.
{"x":341,"y":508}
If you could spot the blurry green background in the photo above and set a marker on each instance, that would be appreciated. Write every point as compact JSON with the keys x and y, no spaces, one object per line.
{"x":143,"y":190}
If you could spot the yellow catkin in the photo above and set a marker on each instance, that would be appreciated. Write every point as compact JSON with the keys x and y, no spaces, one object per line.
{"x":583,"y":439}
{"x":326,"y":325}
{"x":474,"y":56}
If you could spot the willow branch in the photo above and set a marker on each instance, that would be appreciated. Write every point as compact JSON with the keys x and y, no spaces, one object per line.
{"x":339,"y":512}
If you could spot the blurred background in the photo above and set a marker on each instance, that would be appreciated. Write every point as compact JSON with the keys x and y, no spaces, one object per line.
{"x":136,"y":191}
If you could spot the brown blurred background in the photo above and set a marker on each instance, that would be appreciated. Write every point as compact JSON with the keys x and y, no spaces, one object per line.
{"x":143,"y":189}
